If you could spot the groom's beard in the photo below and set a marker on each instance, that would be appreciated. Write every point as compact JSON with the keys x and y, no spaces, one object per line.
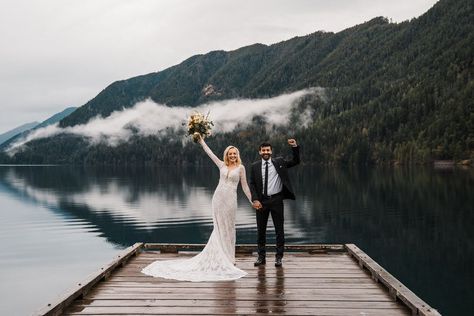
{"x":266,"y":156}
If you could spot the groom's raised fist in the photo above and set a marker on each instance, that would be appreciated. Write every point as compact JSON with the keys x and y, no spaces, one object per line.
{"x":292,"y":142}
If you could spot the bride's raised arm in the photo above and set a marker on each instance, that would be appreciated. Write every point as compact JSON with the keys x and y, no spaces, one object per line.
{"x":244,"y":184}
{"x":209,"y":152}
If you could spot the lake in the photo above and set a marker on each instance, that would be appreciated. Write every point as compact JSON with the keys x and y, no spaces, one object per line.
{"x":59,"y":223}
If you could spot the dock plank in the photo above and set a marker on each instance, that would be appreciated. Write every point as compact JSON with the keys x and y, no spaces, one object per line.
{"x":239,"y":303}
{"x":232,"y":310}
{"x":323,"y":280}
{"x":338,"y":290}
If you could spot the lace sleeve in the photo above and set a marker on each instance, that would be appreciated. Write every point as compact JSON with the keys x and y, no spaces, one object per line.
{"x":243,"y":183}
{"x":211,"y":155}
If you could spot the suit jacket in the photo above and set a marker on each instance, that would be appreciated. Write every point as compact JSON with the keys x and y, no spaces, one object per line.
{"x":281,"y":166}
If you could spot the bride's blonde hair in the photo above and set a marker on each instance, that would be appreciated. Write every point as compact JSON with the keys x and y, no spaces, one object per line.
{"x":226,"y":158}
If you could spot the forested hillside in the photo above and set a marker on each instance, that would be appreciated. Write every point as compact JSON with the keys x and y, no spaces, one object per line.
{"x":395,"y":92}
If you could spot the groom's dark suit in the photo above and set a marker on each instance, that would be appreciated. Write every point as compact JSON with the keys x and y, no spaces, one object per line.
{"x":272,"y":204}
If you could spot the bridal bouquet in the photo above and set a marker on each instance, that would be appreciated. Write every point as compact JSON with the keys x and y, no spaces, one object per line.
{"x":199,"y":125}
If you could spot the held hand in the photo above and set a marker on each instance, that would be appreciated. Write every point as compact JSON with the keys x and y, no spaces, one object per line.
{"x":292,"y":142}
{"x":257,"y":205}
{"x":197,"y":137}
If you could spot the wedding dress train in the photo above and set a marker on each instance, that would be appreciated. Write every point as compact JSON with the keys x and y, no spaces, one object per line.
{"x":216,"y":261}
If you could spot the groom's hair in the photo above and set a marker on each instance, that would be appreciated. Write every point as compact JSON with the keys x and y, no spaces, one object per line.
{"x":265,"y":144}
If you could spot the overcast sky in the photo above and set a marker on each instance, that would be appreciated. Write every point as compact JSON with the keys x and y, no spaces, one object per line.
{"x":60,"y":53}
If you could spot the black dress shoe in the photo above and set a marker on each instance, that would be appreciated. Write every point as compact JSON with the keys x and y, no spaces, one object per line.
{"x":259,"y":262}
{"x":278,"y":262}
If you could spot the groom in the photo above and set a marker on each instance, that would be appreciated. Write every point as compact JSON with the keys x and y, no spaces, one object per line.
{"x":270,"y":185}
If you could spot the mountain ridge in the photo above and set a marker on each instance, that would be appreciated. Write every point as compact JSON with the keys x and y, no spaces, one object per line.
{"x":15,"y":131}
{"x":55,"y":118}
{"x":396,"y":91}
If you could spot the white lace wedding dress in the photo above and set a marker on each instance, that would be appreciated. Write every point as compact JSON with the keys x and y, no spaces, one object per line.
{"x":216,"y":261}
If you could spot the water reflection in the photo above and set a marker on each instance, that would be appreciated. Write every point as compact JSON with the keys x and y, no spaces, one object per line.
{"x":270,"y":295}
{"x":129,"y":205}
{"x":416,"y":222}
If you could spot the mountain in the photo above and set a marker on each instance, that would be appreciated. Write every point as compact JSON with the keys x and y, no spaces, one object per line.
{"x":395,"y":92}
{"x":18,"y":130}
{"x":57,"y":117}
{"x":49,"y":121}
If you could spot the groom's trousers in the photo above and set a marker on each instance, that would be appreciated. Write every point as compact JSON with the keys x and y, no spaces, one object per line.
{"x":273,"y":206}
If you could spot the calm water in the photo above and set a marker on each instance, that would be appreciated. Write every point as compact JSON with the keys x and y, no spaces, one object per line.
{"x":58,"y":224}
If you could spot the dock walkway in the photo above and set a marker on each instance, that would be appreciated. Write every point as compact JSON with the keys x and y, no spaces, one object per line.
{"x":314,"y":280}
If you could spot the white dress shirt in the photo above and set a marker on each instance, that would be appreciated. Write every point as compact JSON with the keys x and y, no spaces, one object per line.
{"x":274,"y":182}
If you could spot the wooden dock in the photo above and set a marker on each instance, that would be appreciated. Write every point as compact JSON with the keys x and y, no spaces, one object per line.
{"x":315,"y":279}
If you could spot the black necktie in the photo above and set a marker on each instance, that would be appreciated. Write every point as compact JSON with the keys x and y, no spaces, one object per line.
{"x":265,"y":186}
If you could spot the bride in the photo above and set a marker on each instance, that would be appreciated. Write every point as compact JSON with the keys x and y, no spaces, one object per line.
{"x":216,"y":262}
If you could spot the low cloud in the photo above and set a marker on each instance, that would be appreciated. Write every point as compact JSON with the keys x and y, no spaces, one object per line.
{"x":149,"y":118}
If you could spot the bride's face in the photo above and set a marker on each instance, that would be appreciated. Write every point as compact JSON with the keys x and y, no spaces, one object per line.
{"x":232,"y":155}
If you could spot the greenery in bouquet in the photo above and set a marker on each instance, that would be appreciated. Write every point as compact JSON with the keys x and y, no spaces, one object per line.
{"x":199,"y":125}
